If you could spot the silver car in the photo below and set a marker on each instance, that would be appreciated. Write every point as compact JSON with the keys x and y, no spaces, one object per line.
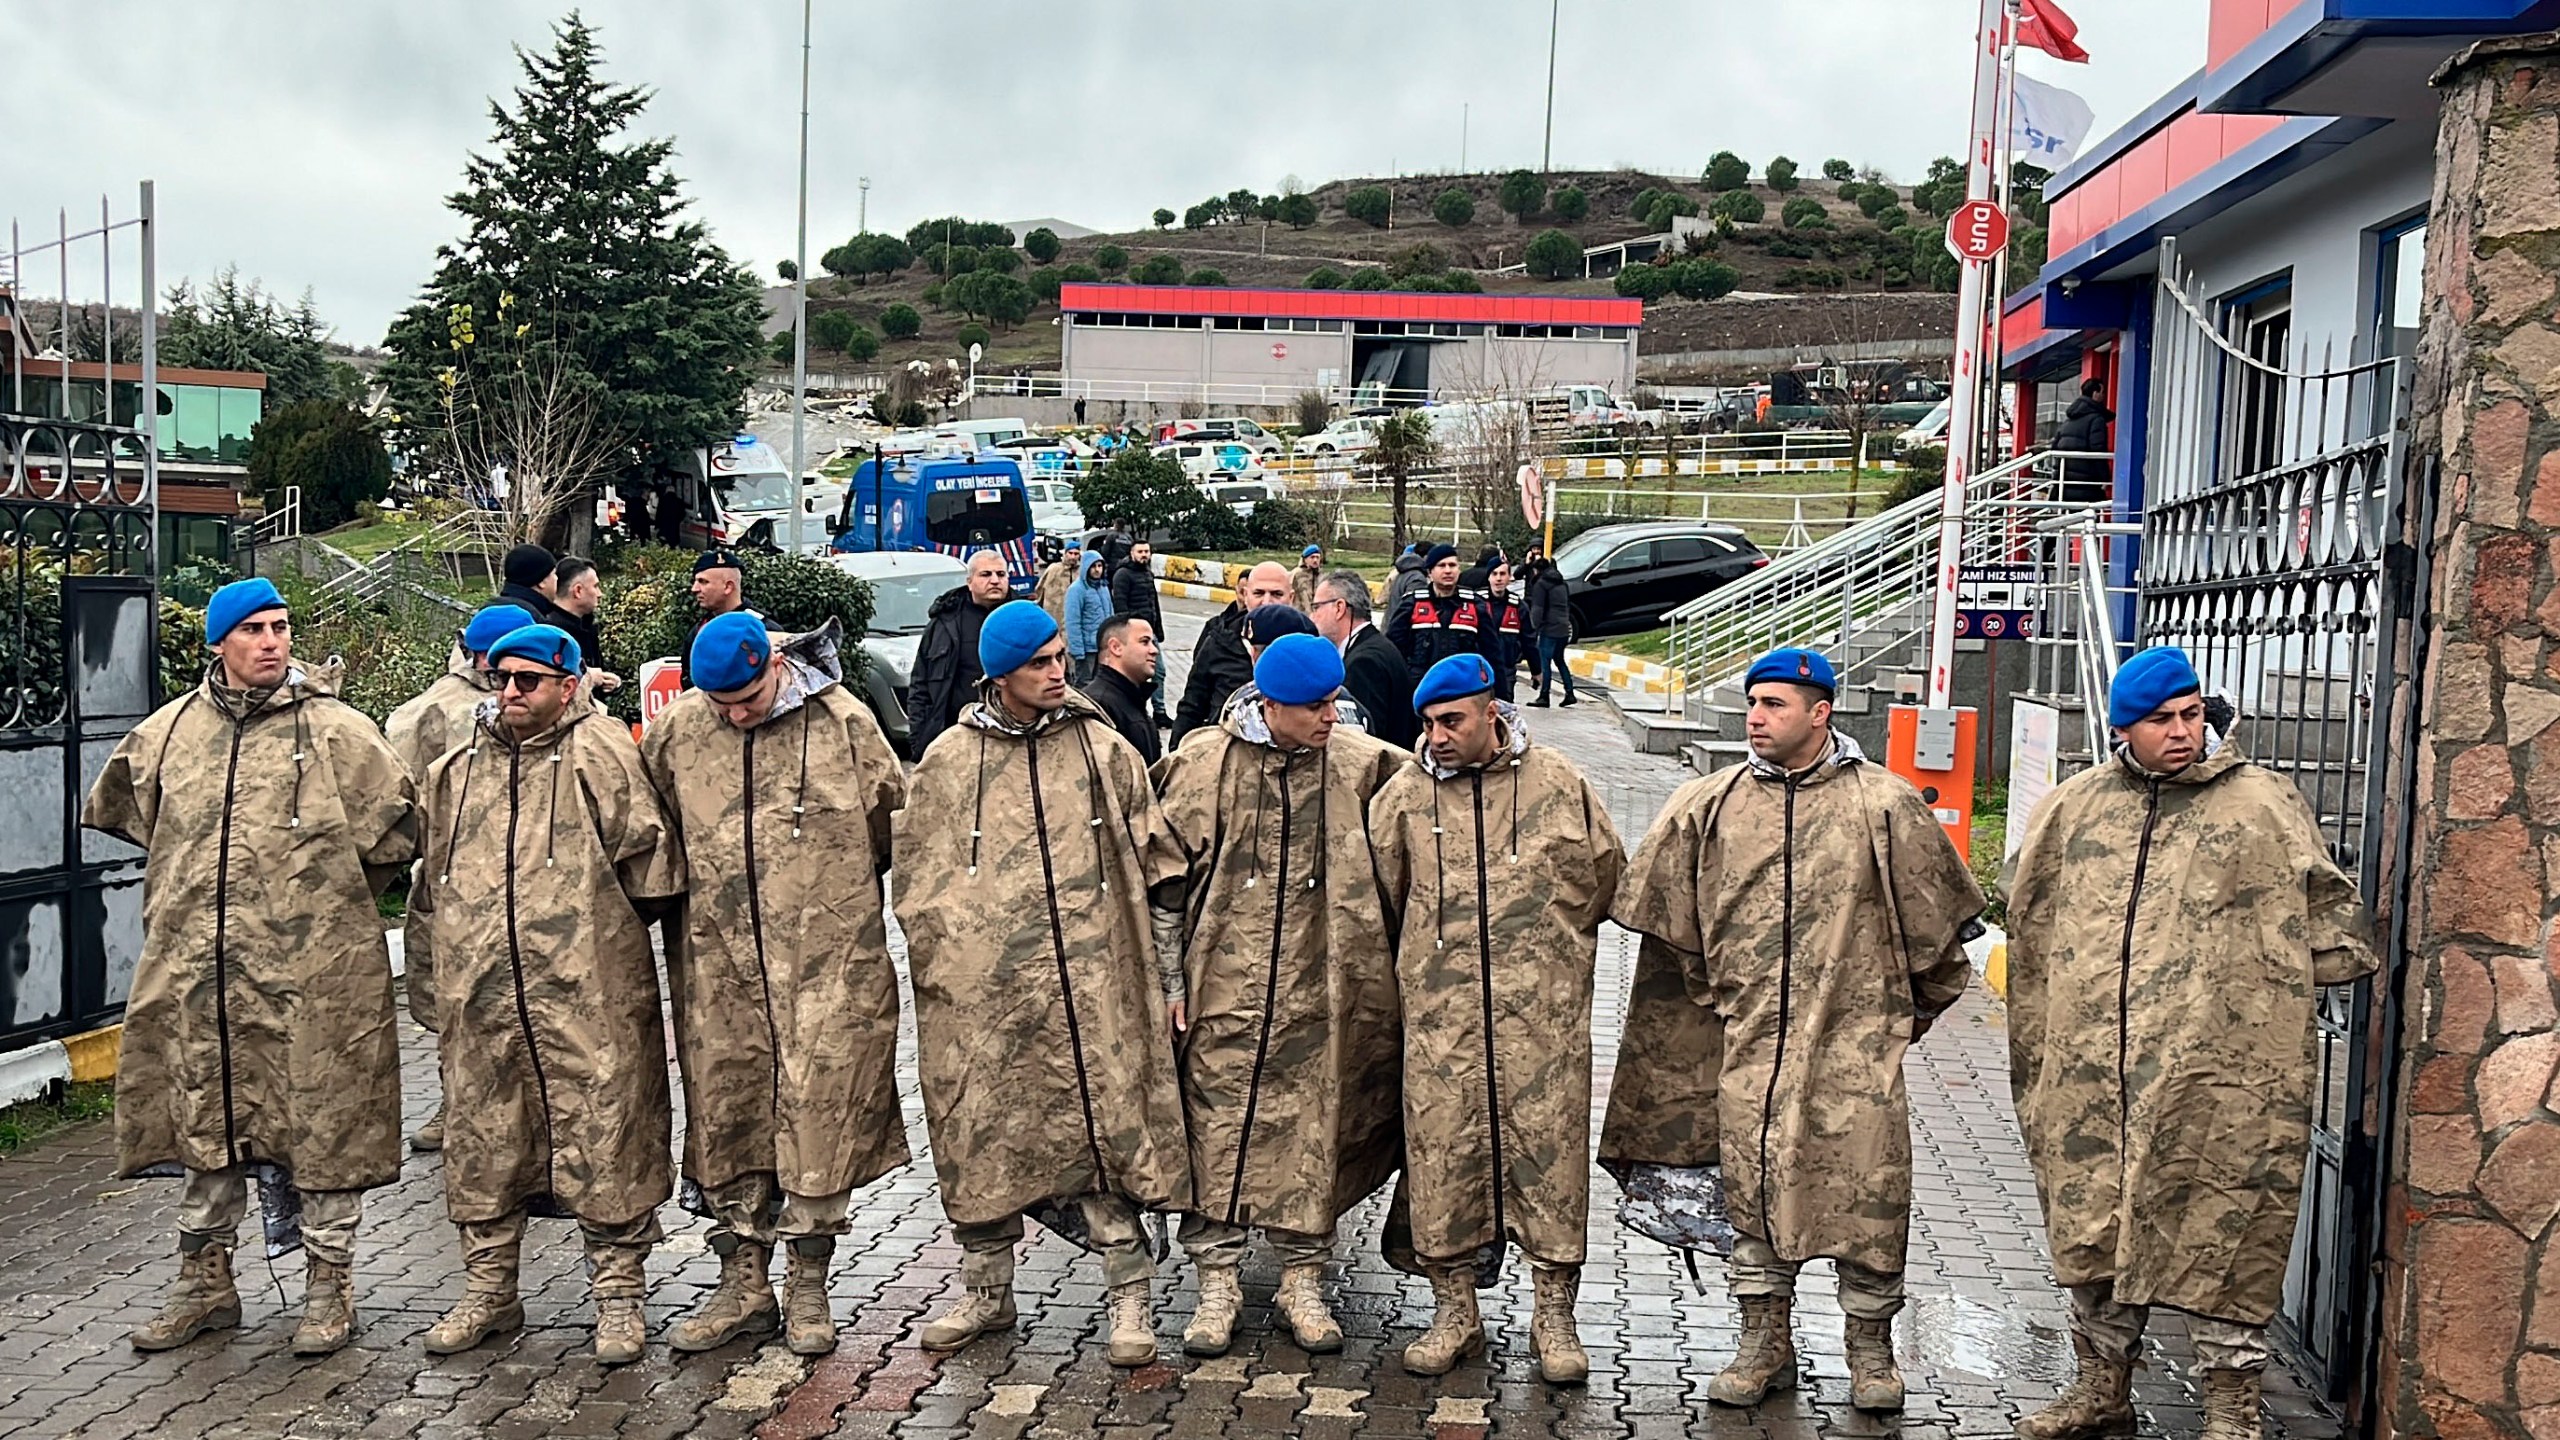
{"x":904,"y":584}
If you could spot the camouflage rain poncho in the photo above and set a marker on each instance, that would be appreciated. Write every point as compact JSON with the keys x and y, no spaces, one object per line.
{"x":554,"y":1046}
{"x":261,"y":1024}
{"x":1041,"y":1040}
{"x":1498,"y":917}
{"x":1817,"y":918}
{"x":1290,"y":1067}
{"x":2166,"y":938}
{"x":425,"y":726}
{"x":784,"y":935}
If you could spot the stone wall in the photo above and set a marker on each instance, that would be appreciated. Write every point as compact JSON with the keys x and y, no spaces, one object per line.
{"x":2470,"y":1342}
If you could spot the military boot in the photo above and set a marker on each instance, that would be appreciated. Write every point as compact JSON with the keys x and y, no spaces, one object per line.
{"x":809,"y":1320}
{"x":430,"y":1136}
{"x":1213,"y":1320}
{"x":1766,"y":1359}
{"x":2231,"y":1405}
{"x":489,"y":1305}
{"x":204,"y":1298}
{"x":1133,"y":1325}
{"x":1561,"y":1359}
{"x":743,"y":1305}
{"x":981,"y":1308}
{"x":620,"y":1279}
{"x":328,"y":1309}
{"x":1301,"y":1303}
{"x":1875,"y":1382}
{"x":1457,"y":1329}
{"x":2098,"y":1401}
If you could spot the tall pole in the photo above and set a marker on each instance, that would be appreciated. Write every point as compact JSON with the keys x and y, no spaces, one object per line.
{"x":800,"y":302}
{"x":1965,"y":402}
{"x":1462,"y":140}
{"x":862,"y":210}
{"x":1993,"y":344}
{"x":1547,"y":151}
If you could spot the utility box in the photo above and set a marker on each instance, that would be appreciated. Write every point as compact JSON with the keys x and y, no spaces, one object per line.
{"x":1934,"y":749}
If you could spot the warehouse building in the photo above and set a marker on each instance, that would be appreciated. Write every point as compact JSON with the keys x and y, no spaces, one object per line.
{"x":1245,"y":346}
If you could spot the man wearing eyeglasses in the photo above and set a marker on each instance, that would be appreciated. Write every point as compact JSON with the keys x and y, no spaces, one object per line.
{"x":1373,"y":673}
{"x":547,"y":855}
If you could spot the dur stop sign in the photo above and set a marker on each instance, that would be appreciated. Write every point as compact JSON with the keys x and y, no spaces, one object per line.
{"x":1978,"y":230}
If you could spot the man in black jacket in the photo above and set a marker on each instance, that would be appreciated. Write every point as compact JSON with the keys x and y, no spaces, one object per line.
{"x":1438,"y":622}
{"x":1372,"y":670}
{"x":1123,"y":677}
{"x":947,"y":673}
{"x":1219,"y":664}
{"x":1133,"y":593}
{"x":529,"y":583}
{"x":2084,"y":429}
{"x":1550,"y":625}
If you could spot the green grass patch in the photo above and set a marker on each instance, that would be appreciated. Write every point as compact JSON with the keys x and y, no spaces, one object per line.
{"x":365,"y":542}
{"x":1654,"y":645}
{"x":1990,"y":837}
{"x":25,"y":1124}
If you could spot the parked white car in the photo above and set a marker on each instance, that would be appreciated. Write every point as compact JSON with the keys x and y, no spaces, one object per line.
{"x":1227,"y":427}
{"x":1053,"y":506}
{"x":1214,"y":459}
{"x":904,"y":585}
{"x":1347,"y":436}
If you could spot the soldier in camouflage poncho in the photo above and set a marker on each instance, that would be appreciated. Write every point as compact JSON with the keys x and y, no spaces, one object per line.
{"x":2172,"y":915}
{"x":1041,"y":1041}
{"x":260,"y":1027}
{"x":425,"y":726}
{"x":545,"y":849}
{"x":1499,"y":864}
{"x":781,"y":786}
{"x":1820,"y":912}
{"x":1285,"y":990}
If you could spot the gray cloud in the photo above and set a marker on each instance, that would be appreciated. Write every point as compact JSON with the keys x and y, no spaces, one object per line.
{"x":313,"y":141}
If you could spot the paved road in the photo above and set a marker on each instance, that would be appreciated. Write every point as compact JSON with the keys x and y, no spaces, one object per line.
{"x":83,"y":1257}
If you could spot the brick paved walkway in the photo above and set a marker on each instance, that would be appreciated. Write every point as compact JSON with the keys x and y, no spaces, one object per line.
{"x":83,"y":1257}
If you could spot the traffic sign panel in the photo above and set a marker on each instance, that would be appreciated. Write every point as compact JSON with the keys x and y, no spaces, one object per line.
{"x":1978,"y":230}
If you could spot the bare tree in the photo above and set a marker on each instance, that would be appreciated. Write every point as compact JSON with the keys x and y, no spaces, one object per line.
{"x":1495,"y":431}
{"x":522,"y":420}
{"x":1858,"y":329}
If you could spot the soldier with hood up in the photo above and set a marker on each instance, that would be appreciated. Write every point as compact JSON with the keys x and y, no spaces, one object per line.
{"x":2173,"y":914}
{"x":1813,"y":903}
{"x":547,"y":856}
{"x":1271,"y":940}
{"x":1499,"y":863}
{"x":425,"y":726}
{"x":260,"y":1028}
{"x":781,"y":786}
{"x":1040,"y":1038}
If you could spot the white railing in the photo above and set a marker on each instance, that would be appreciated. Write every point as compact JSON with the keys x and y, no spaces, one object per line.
{"x":365,"y":581}
{"x":282,"y":523}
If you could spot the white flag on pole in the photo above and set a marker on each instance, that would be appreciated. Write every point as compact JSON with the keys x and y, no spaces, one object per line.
{"x":2048,"y":125}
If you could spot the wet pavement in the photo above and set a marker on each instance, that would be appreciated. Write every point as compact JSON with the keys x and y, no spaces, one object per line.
{"x":83,"y":1257}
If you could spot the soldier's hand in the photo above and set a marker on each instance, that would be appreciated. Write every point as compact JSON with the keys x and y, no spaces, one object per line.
{"x":1173,"y":1011}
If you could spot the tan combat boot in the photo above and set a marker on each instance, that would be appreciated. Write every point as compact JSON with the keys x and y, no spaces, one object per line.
{"x":328,"y":1309}
{"x":809,"y":1320}
{"x":1213,"y":1320}
{"x":204,"y":1298}
{"x":1457,"y":1329}
{"x":1301,"y":1303}
{"x":2231,"y":1405}
{"x":743,"y":1305}
{"x":1875,"y":1382}
{"x":981,"y":1309}
{"x":1561,"y":1359}
{"x":2098,"y":1401}
{"x":1766,"y":1359}
{"x":489,"y":1306}
{"x":620,"y":1279}
{"x":430,"y":1136}
{"x":1133,"y":1325}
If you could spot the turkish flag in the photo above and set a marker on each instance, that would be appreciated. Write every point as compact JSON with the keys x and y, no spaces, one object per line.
{"x":2042,"y":24}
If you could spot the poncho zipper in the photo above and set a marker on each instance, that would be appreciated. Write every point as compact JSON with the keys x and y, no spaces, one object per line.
{"x":1058,"y":947}
{"x":755,"y":927}
{"x":221,"y":944}
{"x":2124,"y":980}
{"x":1484,"y":971}
{"x":515,"y":963}
{"x":1270,"y":995}
{"x":1786,"y":993}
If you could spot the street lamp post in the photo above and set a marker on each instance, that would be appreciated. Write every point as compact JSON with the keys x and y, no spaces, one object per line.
{"x":1547,"y":152}
{"x":800,"y":302}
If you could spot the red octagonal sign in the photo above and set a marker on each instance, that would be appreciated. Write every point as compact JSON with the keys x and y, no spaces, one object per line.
{"x":1977,"y":231}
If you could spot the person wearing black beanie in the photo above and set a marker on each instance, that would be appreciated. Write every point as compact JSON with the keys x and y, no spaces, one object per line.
{"x":529,"y":571}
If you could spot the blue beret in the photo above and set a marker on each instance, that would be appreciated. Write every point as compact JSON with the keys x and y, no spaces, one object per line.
{"x":1454,"y":678}
{"x":543,"y":645}
{"x":1310,"y":550}
{"x":1298,"y":669}
{"x":1013,"y":632}
{"x":238,"y":601}
{"x":1796,"y":667}
{"x":718,"y":557}
{"x":493,"y":624}
{"x":2151,"y":679}
{"x":1266,"y":623}
{"x":1438,"y":553}
{"x":729,"y":652}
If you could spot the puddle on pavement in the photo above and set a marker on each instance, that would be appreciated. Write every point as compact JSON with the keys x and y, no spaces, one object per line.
{"x":1955,"y":1334}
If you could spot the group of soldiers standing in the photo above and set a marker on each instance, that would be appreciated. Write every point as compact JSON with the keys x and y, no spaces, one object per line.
{"x":1246,"y":988}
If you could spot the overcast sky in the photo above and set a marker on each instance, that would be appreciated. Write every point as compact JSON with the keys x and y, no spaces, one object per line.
{"x":313,"y":141}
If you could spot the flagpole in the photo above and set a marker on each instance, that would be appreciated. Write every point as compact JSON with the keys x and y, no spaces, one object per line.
{"x":1995,"y":343}
{"x":1964,"y":400}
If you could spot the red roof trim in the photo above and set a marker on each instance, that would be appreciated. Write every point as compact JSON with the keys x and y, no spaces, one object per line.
{"x":1349,"y":304}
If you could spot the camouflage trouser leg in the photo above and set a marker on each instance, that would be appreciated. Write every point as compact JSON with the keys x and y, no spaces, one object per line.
{"x":1217,"y":1243}
{"x":756,"y":1209}
{"x":2115,"y":1331}
{"x":986,"y":1251}
{"x":1757,"y":1269}
{"x":618,"y":1255}
{"x":214,"y":1201}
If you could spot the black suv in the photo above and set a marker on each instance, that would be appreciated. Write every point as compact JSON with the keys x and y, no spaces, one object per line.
{"x":1626,"y":577}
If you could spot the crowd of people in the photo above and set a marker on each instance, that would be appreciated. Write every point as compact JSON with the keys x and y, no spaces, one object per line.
{"x":1240,"y":980}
